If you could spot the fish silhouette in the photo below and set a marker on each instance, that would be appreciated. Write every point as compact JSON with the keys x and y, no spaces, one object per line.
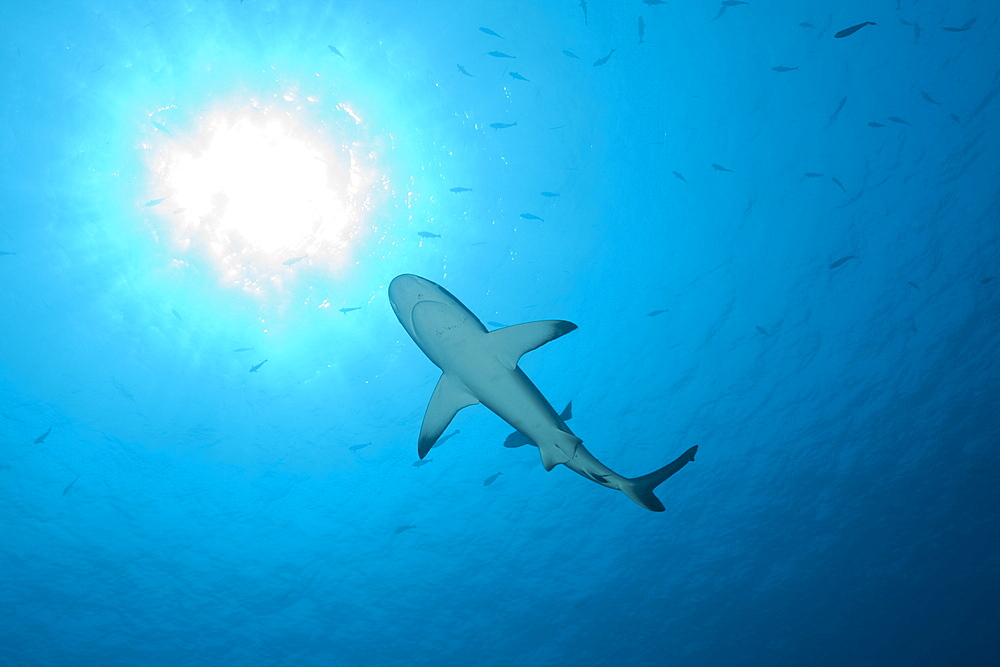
{"x":601,"y":61}
{"x":847,"y":32}
{"x":965,"y":26}
{"x":840,"y":262}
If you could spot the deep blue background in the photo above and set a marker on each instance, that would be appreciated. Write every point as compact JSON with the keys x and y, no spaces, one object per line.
{"x":844,"y":505}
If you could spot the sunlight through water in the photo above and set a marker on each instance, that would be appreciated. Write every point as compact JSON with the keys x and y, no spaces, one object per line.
{"x":262,"y":185}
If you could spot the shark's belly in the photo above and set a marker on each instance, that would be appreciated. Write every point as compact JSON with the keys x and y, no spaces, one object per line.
{"x":513,"y":397}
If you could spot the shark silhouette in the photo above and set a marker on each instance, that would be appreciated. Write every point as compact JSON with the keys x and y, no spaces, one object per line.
{"x":479,"y":366}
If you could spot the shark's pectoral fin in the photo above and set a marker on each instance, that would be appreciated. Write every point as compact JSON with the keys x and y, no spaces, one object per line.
{"x":560,"y":448}
{"x":449,"y":396}
{"x":510,"y":343}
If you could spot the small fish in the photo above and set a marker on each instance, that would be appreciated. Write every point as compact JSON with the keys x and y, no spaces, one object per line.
{"x":719,"y":167}
{"x":421,"y":462}
{"x":965,"y":26}
{"x":4,"y":252}
{"x":464,"y":71}
{"x":460,"y":190}
{"x":161,"y":127}
{"x":254,"y":369}
{"x":333,"y":49}
{"x":347,"y":310}
{"x":847,"y":32}
{"x":550,"y":194}
{"x":601,"y":61}
{"x":985,"y":281}
{"x":924,"y":94}
{"x":570,"y":54}
{"x":515,"y":75}
{"x":722,"y":10}
{"x":445,"y":438}
{"x":642,"y":29}
{"x":583,"y":6}
{"x":654,"y":2}
{"x":733,"y":3}
{"x":154,"y":202}
{"x":839,"y":184}
{"x":294,"y":260}
{"x":490,"y":32}
{"x":355,"y":448}
{"x":502,"y":126}
{"x":403,"y":529}
{"x":913,"y":285}
{"x":177,"y":315}
{"x":812,"y":174}
{"x":897,"y":119}
{"x":654,"y":313}
{"x":806,"y":25}
{"x":70,"y":485}
{"x":529,"y":216}
{"x":762,"y":330}
{"x":840,"y":262}
{"x":243,"y":349}
{"x":875,"y":123}
{"x":492,"y":478}
{"x":40,"y":439}
{"x":782,"y":68}
{"x":429,"y":235}
{"x":680,"y":176}
{"x":836,"y":111}
{"x":954,"y":118}
{"x":498,"y":325}
{"x":500,"y":54}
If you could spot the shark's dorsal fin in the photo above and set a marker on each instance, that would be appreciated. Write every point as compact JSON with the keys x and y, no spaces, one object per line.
{"x":511,"y":343}
{"x":449,"y":396}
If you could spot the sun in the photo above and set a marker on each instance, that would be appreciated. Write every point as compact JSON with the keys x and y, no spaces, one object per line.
{"x":259,"y":187}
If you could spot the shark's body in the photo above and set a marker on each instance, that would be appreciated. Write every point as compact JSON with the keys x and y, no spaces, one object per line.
{"x":481,"y":367}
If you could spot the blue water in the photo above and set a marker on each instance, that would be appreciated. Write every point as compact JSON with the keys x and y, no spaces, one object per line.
{"x":844,"y":506}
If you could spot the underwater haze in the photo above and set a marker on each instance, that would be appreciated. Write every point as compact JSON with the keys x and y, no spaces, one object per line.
{"x":776,"y":226}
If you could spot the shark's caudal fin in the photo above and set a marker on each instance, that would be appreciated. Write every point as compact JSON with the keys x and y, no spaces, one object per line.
{"x":640,"y":489}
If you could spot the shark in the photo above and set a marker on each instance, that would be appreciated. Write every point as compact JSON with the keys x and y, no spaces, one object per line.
{"x":481,"y":367}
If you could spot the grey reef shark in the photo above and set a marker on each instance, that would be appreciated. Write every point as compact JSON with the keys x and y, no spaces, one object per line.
{"x":480,"y":366}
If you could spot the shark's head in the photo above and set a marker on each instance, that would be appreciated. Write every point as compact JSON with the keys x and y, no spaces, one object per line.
{"x":408,"y":290}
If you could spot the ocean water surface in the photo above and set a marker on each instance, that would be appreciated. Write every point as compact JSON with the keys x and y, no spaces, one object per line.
{"x":779,"y":239}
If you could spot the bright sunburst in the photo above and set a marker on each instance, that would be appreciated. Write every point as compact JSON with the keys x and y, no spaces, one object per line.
{"x":261,"y":187}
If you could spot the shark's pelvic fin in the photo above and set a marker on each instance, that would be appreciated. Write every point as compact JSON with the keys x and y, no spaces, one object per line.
{"x":449,"y":396}
{"x":640,"y":489}
{"x":511,"y":343}
{"x":563,"y":451}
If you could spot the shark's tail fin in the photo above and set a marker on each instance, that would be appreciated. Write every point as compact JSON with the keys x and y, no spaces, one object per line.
{"x":640,"y":489}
